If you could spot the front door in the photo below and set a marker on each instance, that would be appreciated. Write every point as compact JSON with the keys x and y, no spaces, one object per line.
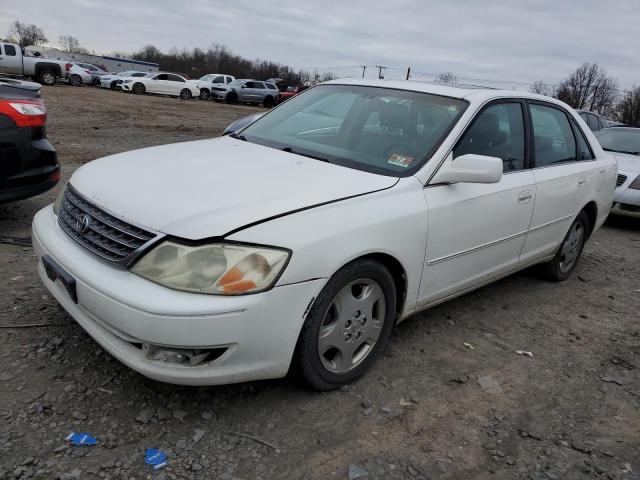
{"x":477,"y":231}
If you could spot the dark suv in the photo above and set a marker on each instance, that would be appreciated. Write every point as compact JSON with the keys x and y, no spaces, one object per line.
{"x":28,"y":162}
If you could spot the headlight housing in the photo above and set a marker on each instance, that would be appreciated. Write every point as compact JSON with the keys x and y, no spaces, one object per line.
{"x":126,"y":81}
{"x":218,"y":269}
{"x":58,"y":202}
{"x":636,"y":183}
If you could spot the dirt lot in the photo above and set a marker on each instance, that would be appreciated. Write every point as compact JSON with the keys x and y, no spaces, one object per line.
{"x":430,"y":409}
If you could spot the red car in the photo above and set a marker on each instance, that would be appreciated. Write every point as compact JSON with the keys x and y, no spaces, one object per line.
{"x":291,"y":91}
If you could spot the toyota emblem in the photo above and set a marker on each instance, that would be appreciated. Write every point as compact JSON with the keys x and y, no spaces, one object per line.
{"x":82,"y":223}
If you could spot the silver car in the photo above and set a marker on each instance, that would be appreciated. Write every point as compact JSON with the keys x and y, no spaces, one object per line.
{"x":96,"y":72}
{"x":247,"y":91}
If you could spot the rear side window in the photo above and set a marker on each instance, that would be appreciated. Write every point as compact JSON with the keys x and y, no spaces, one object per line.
{"x":162,"y":76}
{"x":271,"y":86}
{"x":10,"y":50}
{"x":593,"y":123}
{"x":218,"y":79}
{"x":553,"y":138}
{"x":497,"y":132}
{"x":584,"y":151}
{"x":255,"y":85}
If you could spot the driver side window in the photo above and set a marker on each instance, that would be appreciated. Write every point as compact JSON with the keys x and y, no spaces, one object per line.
{"x":498,"y":131}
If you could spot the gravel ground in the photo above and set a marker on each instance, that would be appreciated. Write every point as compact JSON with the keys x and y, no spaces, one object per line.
{"x":430,"y":409}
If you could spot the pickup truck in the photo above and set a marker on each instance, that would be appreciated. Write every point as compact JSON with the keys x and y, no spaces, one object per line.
{"x":46,"y":71}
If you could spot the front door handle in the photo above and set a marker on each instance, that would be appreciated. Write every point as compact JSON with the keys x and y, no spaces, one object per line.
{"x":525,"y":196}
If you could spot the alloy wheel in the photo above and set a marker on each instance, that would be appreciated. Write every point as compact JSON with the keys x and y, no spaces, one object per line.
{"x":570,"y":250}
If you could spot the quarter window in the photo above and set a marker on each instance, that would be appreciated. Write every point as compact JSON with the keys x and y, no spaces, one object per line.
{"x":593,"y":123}
{"x":584,"y":151}
{"x":553,"y":137}
{"x":175,"y":78}
{"x":497,"y":132}
{"x":10,"y":50}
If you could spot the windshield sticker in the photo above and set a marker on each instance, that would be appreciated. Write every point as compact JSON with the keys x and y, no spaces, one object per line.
{"x":400,"y":160}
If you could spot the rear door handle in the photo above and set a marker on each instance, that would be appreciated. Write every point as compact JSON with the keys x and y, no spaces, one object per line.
{"x":525,"y":196}
{"x":582,"y":181}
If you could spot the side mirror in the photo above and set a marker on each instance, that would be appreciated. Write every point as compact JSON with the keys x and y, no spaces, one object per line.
{"x":470,"y":168}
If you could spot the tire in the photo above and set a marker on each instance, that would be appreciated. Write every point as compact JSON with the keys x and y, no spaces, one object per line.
{"x":138,"y":89}
{"x":113,"y":85}
{"x":232,"y":98}
{"x":47,"y":77}
{"x":268,"y":102}
{"x":205,"y":94}
{"x":338,"y":345}
{"x":75,"y":81}
{"x":185,"y":94}
{"x":568,"y":255}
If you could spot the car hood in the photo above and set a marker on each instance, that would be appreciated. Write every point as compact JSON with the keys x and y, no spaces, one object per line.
{"x":209,"y":188}
{"x":628,"y":163}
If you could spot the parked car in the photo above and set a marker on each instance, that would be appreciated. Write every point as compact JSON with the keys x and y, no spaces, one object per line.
{"x":624,"y":144}
{"x":78,"y":76}
{"x":95,"y":71}
{"x":247,"y":91}
{"x":286,"y":245}
{"x":44,"y":70}
{"x":597,"y":122}
{"x":113,"y":81}
{"x":28,"y":163}
{"x":291,"y":91}
{"x":161,"y":83}
{"x":207,"y":82}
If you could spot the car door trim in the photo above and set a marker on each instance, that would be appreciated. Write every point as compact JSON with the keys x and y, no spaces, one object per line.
{"x":475,"y":249}
{"x":548,"y":224}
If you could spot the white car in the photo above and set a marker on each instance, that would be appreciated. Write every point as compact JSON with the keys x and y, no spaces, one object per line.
{"x":113,"y":81}
{"x":78,"y":76}
{"x":624,"y":143}
{"x":212,"y":80}
{"x":161,"y":83}
{"x":300,"y":240}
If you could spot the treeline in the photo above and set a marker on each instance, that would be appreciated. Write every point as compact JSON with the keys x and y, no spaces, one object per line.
{"x":220,"y":59}
{"x":589,"y":87}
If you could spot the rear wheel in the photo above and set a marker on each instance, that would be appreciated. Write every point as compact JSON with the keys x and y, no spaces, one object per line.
{"x":268,"y":102}
{"x":47,"y":77}
{"x":204,"y":94}
{"x":75,"y":80}
{"x":231,"y":98}
{"x":139,"y":89}
{"x":567,"y":256}
{"x":347,"y":327}
{"x":185,"y":94}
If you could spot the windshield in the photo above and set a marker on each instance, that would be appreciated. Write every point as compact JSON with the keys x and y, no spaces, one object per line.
{"x":620,"y":140}
{"x":393,"y":132}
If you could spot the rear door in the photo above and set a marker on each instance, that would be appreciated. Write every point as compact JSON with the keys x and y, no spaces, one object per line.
{"x":10,"y":60}
{"x":565,"y":174}
{"x":477,"y":231}
{"x":175,"y":84}
{"x":158,"y":84}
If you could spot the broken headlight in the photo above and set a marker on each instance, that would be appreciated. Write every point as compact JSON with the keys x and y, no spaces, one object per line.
{"x":220,"y":269}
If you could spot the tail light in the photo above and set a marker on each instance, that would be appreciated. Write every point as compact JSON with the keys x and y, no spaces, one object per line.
{"x":25,"y":113}
{"x":68,"y":66}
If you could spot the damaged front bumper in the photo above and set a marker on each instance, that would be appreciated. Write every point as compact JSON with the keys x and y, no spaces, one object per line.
{"x":168,"y":335}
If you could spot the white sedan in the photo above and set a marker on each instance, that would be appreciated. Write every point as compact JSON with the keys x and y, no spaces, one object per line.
{"x":300,"y":240}
{"x":624,"y":143}
{"x":161,"y":83}
{"x":113,"y":81}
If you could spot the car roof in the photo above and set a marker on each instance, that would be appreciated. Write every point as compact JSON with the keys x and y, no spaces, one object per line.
{"x":472,"y":93}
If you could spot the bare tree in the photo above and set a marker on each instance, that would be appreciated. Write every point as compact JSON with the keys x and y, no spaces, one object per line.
{"x":540,"y":88}
{"x":589,"y":88}
{"x":447,"y":77}
{"x":71,"y":44}
{"x":24,"y":34}
{"x":629,"y":108}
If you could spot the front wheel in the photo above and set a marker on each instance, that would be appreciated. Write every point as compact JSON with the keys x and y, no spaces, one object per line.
{"x":185,"y":94}
{"x":567,"y":256}
{"x":139,"y":89}
{"x":348,"y":326}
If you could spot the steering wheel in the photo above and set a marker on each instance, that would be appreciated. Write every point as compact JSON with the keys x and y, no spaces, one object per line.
{"x":402,"y":148}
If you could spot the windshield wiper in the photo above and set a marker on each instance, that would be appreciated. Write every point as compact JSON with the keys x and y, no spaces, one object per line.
{"x":621,"y":151}
{"x":238,"y":136}
{"x":290,"y":150}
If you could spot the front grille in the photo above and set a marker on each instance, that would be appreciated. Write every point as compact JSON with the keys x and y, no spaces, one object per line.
{"x":219,"y":89}
{"x":629,"y":208}
{"x":100,"y":232}
{"x":621,"y":180}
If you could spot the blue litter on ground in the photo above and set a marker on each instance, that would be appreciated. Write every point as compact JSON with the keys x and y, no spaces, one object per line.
{"x":81,"y":439}
{"x":155,"y":458}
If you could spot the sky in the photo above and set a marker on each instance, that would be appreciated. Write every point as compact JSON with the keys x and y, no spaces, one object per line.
{"x":512,"y":41}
